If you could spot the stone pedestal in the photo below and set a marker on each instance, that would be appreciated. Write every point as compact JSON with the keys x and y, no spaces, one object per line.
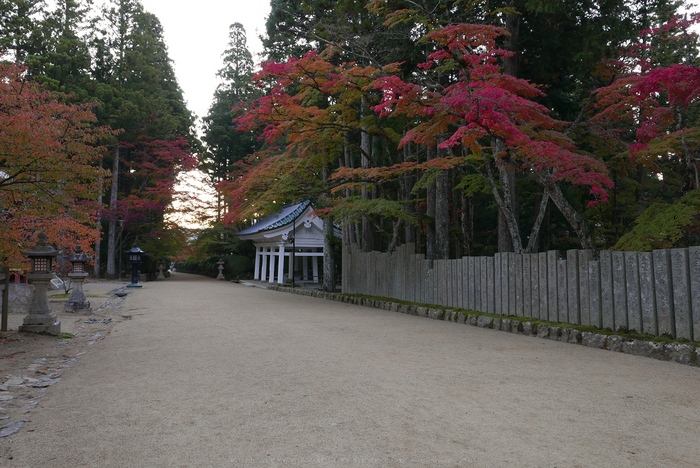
{"x":40,"y":319}
{"x":221,"y":270}
{"x":160,"y":273}
{"x":77,"y":302}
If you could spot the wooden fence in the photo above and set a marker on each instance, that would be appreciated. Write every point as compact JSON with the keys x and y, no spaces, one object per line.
{"x":650,"y":292}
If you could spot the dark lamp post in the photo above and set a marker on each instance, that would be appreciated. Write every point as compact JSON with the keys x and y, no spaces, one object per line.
{"x":41,"y":319}
{"x":135,"y":258}
{"x":78,"y":302}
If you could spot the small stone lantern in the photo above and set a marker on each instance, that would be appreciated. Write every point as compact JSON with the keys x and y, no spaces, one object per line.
{"x":77,"y":302}
{"x":160,"y":269}
{"x":221,"y":270}
{"x":135,"y":258}
{"x":41,"y":319}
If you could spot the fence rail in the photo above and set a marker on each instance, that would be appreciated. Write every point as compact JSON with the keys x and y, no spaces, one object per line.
{"x":650,"y":292}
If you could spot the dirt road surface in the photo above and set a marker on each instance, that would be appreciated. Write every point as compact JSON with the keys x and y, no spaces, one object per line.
{"x":205,"y":373}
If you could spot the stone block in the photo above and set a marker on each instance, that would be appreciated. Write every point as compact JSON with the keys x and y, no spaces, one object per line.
{"x":575,"y":337}
{"x":464,"y":282}
{"x":562,"y":292}
{"x":20,"y":298}
{"x":593,"y":340}
{"x":517,"y":327}
{"x":512,"y":304}
{"x":632,"y":284}
{"x":607,"y":304}
{"x":680,"y":352}
{"x":680,"y":272}
{"x":535,"y":285}
{"x":472,"y":279}
{"x":497,"y":284}
{"x":459,"y":283}
{"x":555,"y":333}
{"x":496,"y":323}
{"x":543,"y":331}
{"x":519,"y":294}
{"x":564,"y":334}
{"x":619,"y":291}
{"x":614,"y":343}
{"x":694,"y":261}
{"x":529,"y":328}
{"x":647,"y":296}
{"x":664,"y":292}
{"x":446,"y":272}
{"x":506,"y":324}
{"x":490,"y":289}
{"x":484,"y":285}
{"x":594,"y":297}
{"x":584,"y":256}
{"x":544,"y":287}
{"x":505,"y":305}
{"x":527,"y":285}
{"x":472,"y":319}
{"x":484,"y":322}
{"x":552,"y":285}
{"x":573,"y":286}
{"x":644,"y":348}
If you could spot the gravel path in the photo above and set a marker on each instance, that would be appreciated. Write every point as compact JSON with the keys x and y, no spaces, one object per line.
{"x":216,"y":374}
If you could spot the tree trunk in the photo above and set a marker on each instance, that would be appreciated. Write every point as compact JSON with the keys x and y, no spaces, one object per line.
{"x":572,"y":216}
{"x":506,"y":180}
{"x":430,"y":249}
{"x":504,"y":204}
{"x":367,"y":228}
{"x":348,"y":229}
{"x":112,"y":234}
{"x":396,"y":231}
{"x":442,"y":221}
{"x":408,"y":181}
{"x":533,"y":242}
{"x":98,"y":243}
{"x":328,"y":254}
{"x":467,"y":223}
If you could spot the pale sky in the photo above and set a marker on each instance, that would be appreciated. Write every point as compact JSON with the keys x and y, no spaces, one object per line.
{"x":196,"y":34}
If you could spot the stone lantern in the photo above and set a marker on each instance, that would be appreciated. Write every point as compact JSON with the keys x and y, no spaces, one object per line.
{"x":78,"y":302}
{"x":221,"y":269}
{"x":135,"y":258}
{"x":41,"y":319}
{"x":160,"y":269}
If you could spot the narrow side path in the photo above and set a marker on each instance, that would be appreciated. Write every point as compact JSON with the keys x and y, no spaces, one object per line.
{"x":216,"y":374}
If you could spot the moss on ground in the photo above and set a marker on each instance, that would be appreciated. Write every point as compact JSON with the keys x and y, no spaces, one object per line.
{"x":624,"y":333}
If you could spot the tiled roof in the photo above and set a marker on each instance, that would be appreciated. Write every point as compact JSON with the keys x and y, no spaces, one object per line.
{"x":273,"y":221}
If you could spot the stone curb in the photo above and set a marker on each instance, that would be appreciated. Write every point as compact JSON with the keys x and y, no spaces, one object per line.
{"x":676,"y":352}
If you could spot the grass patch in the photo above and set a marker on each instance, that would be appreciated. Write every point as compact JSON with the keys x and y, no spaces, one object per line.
{"x":65,"y":335}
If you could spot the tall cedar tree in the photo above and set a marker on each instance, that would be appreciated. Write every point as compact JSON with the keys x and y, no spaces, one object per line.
{"x":226,"y":145}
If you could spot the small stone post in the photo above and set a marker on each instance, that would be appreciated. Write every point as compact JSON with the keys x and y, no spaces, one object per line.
{"x":221,"y":270}
{"x":77,"y":302}
{"x":160,"y":270}
{"x":41,"y":319}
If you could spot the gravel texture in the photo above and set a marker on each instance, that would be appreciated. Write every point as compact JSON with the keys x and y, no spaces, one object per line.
{"x":208,"y":373}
